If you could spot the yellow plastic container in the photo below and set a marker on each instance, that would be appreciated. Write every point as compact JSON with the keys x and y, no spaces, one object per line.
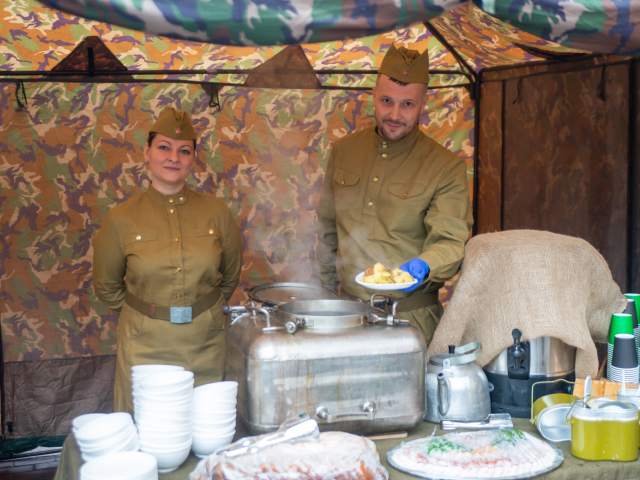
{"x":606,"y":431}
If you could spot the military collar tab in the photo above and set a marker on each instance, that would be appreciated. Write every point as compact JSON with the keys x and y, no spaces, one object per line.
{"x":179,"y":198}
{"x":393,"y":147}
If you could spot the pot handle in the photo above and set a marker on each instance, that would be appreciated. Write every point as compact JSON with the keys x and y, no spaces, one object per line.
{"x":443,"y":394}
{"x":367,"y":412}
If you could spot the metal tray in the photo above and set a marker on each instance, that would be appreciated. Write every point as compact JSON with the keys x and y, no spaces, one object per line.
{"x":474,"y":475}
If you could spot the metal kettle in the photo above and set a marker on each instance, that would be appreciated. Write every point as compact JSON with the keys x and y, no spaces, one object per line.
{"x":456,"y":387}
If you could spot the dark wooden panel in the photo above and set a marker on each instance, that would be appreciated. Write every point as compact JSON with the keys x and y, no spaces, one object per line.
{"x":489,"y":165}
{"x":566,"y":158}
{"x":634,"y":171}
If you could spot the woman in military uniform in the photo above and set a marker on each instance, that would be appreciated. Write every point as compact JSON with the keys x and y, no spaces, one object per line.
{"x":167,"y":259}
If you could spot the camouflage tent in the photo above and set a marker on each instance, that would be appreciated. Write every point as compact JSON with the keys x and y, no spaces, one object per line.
{"x":70,"y":148}
{"x":593,"y":25}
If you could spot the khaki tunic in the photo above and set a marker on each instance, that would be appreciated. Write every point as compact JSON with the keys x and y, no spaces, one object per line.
{"x":391,"y":201}
{"x":168,"y":251}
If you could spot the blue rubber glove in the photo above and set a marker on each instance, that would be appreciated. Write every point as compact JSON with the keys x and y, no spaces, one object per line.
{"x":418,"y":269}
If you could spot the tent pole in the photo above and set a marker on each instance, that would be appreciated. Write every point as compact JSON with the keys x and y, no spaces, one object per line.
{"x":469,"y":72}
{"x":633,"y":182}
{"x":477,"y":102}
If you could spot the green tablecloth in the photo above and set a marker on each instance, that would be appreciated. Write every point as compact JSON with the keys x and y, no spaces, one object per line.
{"x":571,"y":469}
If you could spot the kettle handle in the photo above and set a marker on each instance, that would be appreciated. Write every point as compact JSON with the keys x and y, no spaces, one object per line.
{"x":443,"y":394}
{"x":471,"y":347}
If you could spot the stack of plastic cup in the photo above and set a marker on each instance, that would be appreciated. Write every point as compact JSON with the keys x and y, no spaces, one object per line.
{"x":634,"y":310}
{"x":624,"y":365}
{"x":620,"y":323}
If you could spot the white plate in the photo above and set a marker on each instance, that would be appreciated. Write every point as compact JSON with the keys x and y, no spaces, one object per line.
{"x":383,"y":286}
{"x":404,"y":462}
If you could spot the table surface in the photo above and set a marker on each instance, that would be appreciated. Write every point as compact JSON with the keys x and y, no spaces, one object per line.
{"x":571,"y":469}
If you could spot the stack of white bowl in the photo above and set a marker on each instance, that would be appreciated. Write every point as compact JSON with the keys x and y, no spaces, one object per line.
{"x":214,"y":416}
{"x":163,"y":409}
{"x":121,"y":465}
{"x":81,"y":420}
{"x":106,"y":434}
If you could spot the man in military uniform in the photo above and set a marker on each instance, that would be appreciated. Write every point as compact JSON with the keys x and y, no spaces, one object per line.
{"x":393,"y":195}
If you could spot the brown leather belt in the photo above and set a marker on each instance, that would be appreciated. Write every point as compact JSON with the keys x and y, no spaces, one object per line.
{"x":160,"y":312}
{"x":417,"y":300}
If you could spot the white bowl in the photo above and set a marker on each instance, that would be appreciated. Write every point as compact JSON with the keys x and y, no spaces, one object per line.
{"x":224,"y":389}
{"x":173,"y":379}
{"x":108,"y":426}
{"x":166,"y":430}
{"x":160,"y":447}
{"x":109,"y":443}
{"x":164,"y":402}
{"x":175,"y":390}
{"x":133,"y":445}
{"x":153,"y":368}
{"x":215,"y":417}
{"x":180,"y":408}
{"x":81,"y":420}
{"x":153,"y":438}
{"x":168,"y":458}
{"x":213,"y":434}
{"x":121,"y":465}
{"x":205,"y":445}
{"x":214,"y":404}
{"x":204,"y":424}
{"x":151,"y":417}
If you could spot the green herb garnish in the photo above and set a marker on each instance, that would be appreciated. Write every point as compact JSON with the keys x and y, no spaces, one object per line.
{"x":440,"y":445}
{"x":508,"y":435}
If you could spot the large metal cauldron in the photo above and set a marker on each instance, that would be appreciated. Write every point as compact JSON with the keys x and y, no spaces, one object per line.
{"x":349,"y":365}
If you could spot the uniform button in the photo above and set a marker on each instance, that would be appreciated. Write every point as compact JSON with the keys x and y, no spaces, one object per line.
{"x":376,"y":179}
{"x":211,"y":231}
{"x":178,"y":269}
{"x":370,"y":203}
{"x":384,"y":155}
{"x":171,"y":210}
{"x":138,"y":237}
{"x":171,"y":200}
{"x":177,"y":239}
{"x":181,"y":199}
{"x":341,"y":182}
{"x":384,"y":144}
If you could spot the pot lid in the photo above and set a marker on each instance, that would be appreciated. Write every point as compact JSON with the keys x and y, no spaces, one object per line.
{"x":274,"y":294}
{"x":457,"y":355}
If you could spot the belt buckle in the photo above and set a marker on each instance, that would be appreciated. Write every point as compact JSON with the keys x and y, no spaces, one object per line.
{"x":180,"y":315}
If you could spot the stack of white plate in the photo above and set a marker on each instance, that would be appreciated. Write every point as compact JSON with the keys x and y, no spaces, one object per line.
{"x":214,"y":416}
{"x":163,"y":409}
{"x":121,"y":465}
{"x":106,"y":434}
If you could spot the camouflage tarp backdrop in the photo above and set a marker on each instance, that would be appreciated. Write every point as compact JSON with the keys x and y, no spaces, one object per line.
{"x":76,"y":150}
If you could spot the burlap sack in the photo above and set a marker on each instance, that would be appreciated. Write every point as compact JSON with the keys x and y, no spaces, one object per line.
{"x":543,"y":283}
